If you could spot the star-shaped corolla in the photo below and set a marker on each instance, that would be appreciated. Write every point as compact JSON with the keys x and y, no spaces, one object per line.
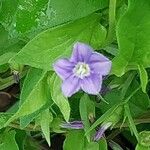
{"x":83,"y":71}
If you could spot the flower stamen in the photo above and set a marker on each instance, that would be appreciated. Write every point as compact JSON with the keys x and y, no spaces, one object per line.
{"x":81,"y":70}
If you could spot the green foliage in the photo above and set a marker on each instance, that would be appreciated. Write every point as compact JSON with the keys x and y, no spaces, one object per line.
{"x":139,"y":102}
{"x":87,"y":112}
{"x":113,"y":115}
{"x":58,"y":97}
{"x":75,"y":137}
{"x":130,"y":120}
{"x":27,"y":18}
{"x":143,"y":77}
{"x":45,"y":120}
{"x":36,"y":33}
{"x":8,"y":141}
{"x":3,"y":119}
{"x":102,"y":144}
{"x":144,"y":141}
{"x":133,"y":34}
{"x":72,"y":139}
{"x":35,"y":92}
{"x":44,"y":49}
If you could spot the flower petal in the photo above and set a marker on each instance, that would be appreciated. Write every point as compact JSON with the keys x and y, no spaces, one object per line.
{"x":92,"y":84}
{"x":97,"y":57}
{"x":81,"y":52}
{"x":63,"y":68}
{"x":102,"y":68}
{"x":70,"y":86}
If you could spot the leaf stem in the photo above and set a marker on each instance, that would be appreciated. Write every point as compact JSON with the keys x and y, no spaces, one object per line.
{"x":136,"y":122}
{"x":112,"y":22}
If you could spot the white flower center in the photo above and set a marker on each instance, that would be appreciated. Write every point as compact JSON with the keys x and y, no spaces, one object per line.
{"x":81,"y":70}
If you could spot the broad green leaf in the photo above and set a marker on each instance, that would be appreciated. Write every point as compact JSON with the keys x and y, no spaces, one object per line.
{"x":87,"y":112}
{"x":8,"y":48}
{"x":133,"y":36}
{"x":140,"y":147}
{"x":46,"y":118}
{"x":27,"y":18}
{"x":24,"y":121}
{"x":92,"y":146}
{"x":143,"y":77}
{"x":29,"y":92}
{"x":34,"y":94}
{"x":3,"y":37}
{"x":5,"y":57}
{"x":8,"y":141}
{"x":73,"y":10}
{"x":8,"y":9}
{"x":102,"y":144}
{"x":57,"y":96}
{"x":47,"y":47}
{"x":3,"y":119}
{"x":111,"y":49}
{"x":74,"y":140}
{"x":131,"y":122}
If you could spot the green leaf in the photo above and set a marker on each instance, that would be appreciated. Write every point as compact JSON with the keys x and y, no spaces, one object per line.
{"x":114,"y":145}
{"x":46,"y":118}
{"x":87,"y":111}
{"x":140,"y":147}
{"x":24,"y":121}
{"x":8,"y":9}
{"x":8,"y":141}
{"x":8,"y":48}
{"x":108,"y":116}
{"x":3,"y":37}
{"x":143,"y":77}
{"x":31,"y":144}
{"x":139,"y":102}
{"x":133,"y":36}
{"x":144,"y":138}
{"x":27,"y":18}
{"x":34,"y":94}
{"x":74,"y":140}
{"x":102,"y":144}
{"x":20,"y":137}
{"x":92,"y":146}
{"x":55,"y":125}
{"x":3,"y":119}
{"x":131,"y":122}
{"x":44,"y":49}
{"x":58,"y":97}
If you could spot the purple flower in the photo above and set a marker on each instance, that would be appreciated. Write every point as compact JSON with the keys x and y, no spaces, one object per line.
{"x":101,"y":131}
{"x":84,"y":70}
{"x":72,"y":125}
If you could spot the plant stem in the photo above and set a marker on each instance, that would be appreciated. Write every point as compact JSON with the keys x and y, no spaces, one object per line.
{"x":30,"y":127}
{"x":112,"y":22}
{"x":136,"y":121}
